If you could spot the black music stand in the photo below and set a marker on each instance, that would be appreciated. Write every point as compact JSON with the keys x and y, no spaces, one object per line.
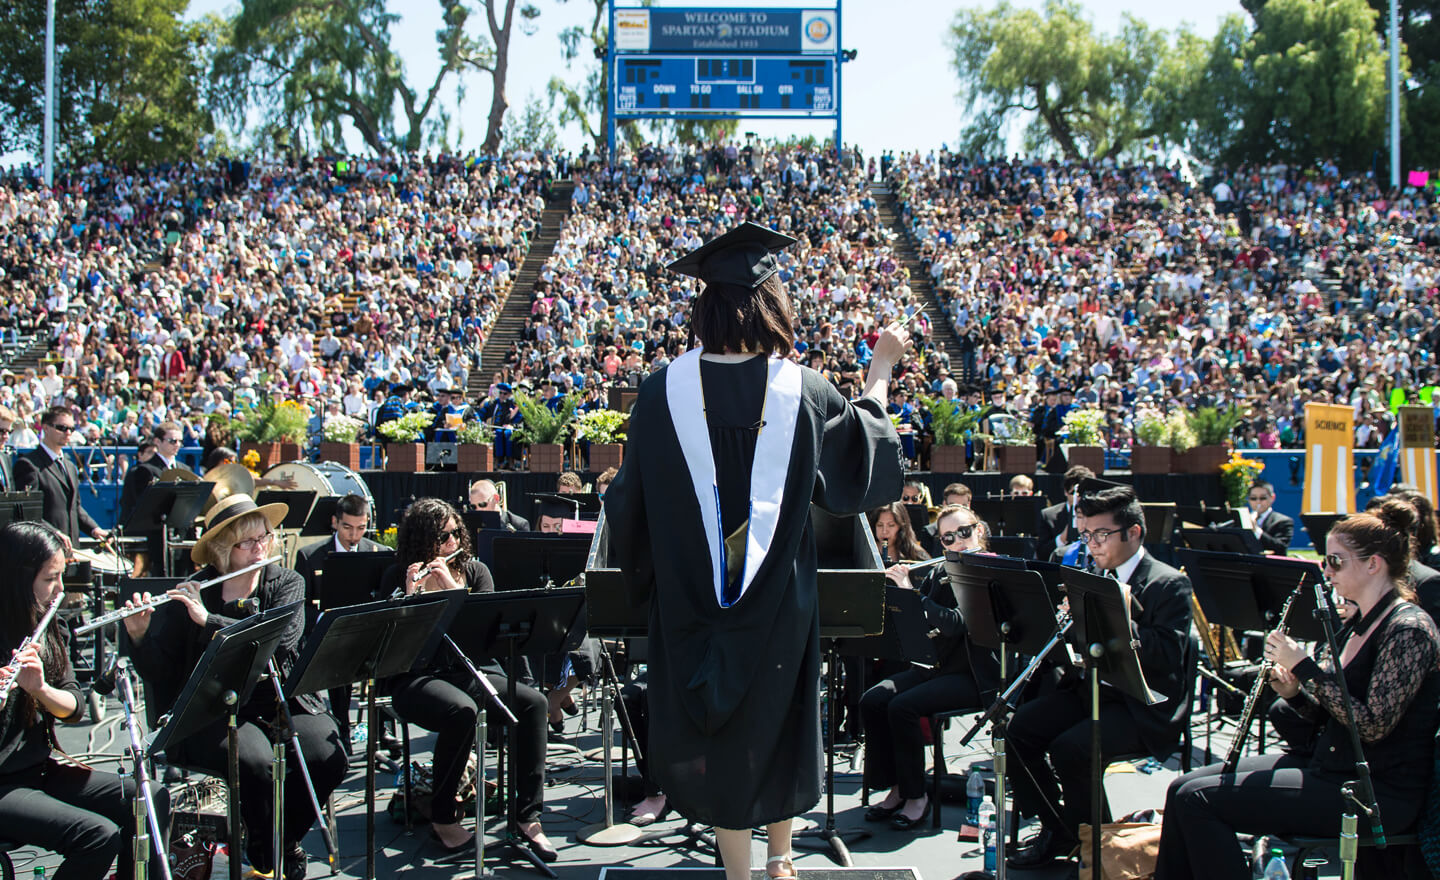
{"x":1221,"y":540}
{"x":1006,"y":607}
{"x":367,"y":643}
{"x":904,"y":635}
{"x":352,"y":578}
{"x":21,"y":507}
{"x":220,"y":684}
{"x":1014,"y":545}
{"x":482,"y":541}
{"x":1102,"y":634}
{"x":1247,"y":592}
{"x":919,"y":517}
{"x":1010,"y":514}
{"x":318,"y":524}
{"x":1203,"y":515}
{"x":587,"y":506}
{"x":1318,"y":526}
{"x":515,"y":622}
{"x":529,"y":562}
{"x":166,"y":506}
{"x":298,"y":503}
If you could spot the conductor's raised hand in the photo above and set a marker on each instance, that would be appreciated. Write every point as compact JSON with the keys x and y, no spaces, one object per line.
{"x":894,"y":341}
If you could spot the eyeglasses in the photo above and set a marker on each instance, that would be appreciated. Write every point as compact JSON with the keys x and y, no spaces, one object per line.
{"x":4,"y":432}
{"x":63,"y":429}
{"x":251,"y":543}
{"x":451,"y":533}
{"x":169,"y":440}
{"x":1098,"y":536}
{"x":1336,"y":562}
{"x":961,"y":533}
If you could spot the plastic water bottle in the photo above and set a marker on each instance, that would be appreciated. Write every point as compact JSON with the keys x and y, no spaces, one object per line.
{"x":974,"y":792}
{"x":986,"y":817}
{"x":1276,"y":868}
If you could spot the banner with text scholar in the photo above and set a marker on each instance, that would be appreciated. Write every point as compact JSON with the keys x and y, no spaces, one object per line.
{"x":1329,"y":466}
{"x":1417,"y":449}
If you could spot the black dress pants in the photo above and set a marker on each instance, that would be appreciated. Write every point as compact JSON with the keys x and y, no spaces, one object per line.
{"x":82,"y":814}
{"x":635,"y":696}
{"x":1057,"y":727}
{"x":446,"y":703}
{"x":1268,"y":794}
{"x":892,"y":709}
{"x":324,"y":756}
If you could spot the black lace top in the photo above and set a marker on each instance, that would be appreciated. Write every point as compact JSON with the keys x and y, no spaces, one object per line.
{"x":1394,"y":682}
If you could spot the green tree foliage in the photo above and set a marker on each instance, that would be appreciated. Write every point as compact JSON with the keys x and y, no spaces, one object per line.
{"x":1082,"y":92}
{"x":127,"y":82}
{"x":1306,"y":83}
{"x":313,"y":66}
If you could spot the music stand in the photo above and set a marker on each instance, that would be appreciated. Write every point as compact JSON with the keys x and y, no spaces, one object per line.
{"x":527,"y":562}
{"x":298,"y":503}
{"x":482,"y":542}
{"x":1006,"y":607}
{"x":1102,"y":634}
{"x":585,"y":503}
{"x":352,"y":578}
{"x":515,"y":622}
{"x":919,"y":517}
{"x":1013,"y":545}
{"x":317,"y":524}
{"x":475,"y":520}
{"x":366,"y":643}
{"x":1247,"y":592}
{"x":1159,"y":521}
{"x":21,"y":507}
{"x":1203,"y":515}
{"x":1221,"y":540}
{"x":165,"y":506}
{"x":904,"y":634}
{"x":220,"y":684}
{"x":1010,"y":514}
{"x":1318,"y":526}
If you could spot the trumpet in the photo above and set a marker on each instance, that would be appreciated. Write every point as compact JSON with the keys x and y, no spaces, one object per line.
{"x":422,"y":574}
{"x":156,"y":601}
{"x":49,"y":615}
{"x":1262,"y":678}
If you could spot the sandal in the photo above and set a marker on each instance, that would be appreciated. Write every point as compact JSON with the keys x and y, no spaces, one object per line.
{"x":784,"y":868}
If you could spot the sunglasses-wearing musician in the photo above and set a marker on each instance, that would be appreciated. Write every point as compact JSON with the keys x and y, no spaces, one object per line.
{"x":168,"y":643}
{"x":81,"y":813}
{"x":1390,"y":654}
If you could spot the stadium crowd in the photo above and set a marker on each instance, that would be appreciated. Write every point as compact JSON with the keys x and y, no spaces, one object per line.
{"x":178,"y":292}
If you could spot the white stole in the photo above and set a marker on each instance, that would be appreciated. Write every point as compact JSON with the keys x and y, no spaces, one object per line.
{"x":773,"y":445}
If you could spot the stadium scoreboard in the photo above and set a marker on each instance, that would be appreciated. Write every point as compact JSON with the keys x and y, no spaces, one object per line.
{"x":716,"y":62}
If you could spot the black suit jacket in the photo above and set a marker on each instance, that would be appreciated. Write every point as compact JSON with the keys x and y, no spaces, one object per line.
{"x":1053,"y":520}
{"x":1427,"y":588}
{"x":1276,"y":532}
{"x":137,"y":480}
{"x":1167,"y":654}
{"x":59,"y":483}
{"x":310,"y":561}
{"x":518,"y":522}
{"x":7,"y":469}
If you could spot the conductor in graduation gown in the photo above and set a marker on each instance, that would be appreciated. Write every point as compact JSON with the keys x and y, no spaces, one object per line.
{"x":709,"y":519}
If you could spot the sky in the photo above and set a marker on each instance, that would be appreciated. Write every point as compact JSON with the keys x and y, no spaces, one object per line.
{"x":898,"y":43}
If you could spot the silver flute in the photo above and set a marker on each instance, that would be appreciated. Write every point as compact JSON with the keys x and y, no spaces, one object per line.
{"x":422,"y":574}
{"x":30,"y":640}
{"x":156,"y":601}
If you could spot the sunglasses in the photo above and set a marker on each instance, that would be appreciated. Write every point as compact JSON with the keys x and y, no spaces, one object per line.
{"x":64,"y":429}
{"x":452,"y":533}
{"x":961,"y":533}
{"x":1336,"y":562}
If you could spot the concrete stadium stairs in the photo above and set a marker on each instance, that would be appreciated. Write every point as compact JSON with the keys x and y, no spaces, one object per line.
{"x":941,"y":331}
{"x":515,"y":308}
{"x":29,"y":351}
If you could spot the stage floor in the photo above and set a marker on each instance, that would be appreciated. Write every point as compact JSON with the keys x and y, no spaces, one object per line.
{"x":574,"y":800}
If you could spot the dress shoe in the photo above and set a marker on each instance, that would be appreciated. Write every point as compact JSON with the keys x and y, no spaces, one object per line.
{"x":878,"y":813}
{"x":1042,"y":849}
{"x":542,"y":850}
{"x":297,"y":864}
{"x":902,"y":822}
{"x":640,"y":820}
{"x":468,"y":846}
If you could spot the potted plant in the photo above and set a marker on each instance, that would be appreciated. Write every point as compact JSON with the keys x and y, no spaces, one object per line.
{"x":1212,"y":428}
{"x":252,"y":428}
{"x":342,"y":434}
{"x":1151,"y":452}
{"x":289,"y":423}
{"x":1237,"y":474}
{"x":604,"y":429}
{"x":544,"y":429}
{"x":1014,"y":445}
{"x":403,"y":449}
{"x":475,"y":454}
{"x":1084,"y":431}
{"x":952,"y":425}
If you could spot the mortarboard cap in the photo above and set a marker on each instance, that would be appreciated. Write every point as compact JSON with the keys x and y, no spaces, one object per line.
{"x":564,"y":506}
{"x":1095,"y":486}
{"x":744,"y":257}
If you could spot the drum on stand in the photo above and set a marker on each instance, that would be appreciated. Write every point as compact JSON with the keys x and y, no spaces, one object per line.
{"x":326,"y":479}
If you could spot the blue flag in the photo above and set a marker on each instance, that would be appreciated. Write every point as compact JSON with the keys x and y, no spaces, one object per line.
{"x":1387,"y":462}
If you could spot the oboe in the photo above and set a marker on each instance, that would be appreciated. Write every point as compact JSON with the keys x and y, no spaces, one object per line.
{"x":9,"y":685}
{"x":1262,"y":678}
{"x":157,"y":601}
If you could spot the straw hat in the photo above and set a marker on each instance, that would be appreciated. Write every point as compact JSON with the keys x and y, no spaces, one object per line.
{"x":227,"y":510}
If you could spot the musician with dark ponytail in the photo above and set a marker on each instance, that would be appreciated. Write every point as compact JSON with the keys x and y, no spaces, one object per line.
{"x":1390,"y":652}
{"x":80,"y":813}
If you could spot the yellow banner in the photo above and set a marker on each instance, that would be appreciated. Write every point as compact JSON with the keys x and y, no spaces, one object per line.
{"x":1329,"y":465}
{"x":1417,"y":449}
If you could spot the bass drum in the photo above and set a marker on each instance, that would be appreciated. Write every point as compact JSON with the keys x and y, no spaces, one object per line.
{"x":325,"y":478}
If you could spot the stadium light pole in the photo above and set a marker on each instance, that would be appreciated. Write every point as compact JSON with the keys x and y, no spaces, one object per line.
{"x":1394,"y":94}
{"x":49,"y":136}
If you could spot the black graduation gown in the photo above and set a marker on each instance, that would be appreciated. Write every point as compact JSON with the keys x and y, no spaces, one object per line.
{"x":734,"y":692}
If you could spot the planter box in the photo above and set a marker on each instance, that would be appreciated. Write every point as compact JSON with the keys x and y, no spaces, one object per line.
{"x":289,"y":452}
{"x":547,"y":458}
{"x":347,"y":454}
{"x":947,"y":459}
{"x":474,"y":458}
{"x":1152,"y":460}
{"x":269,"y":454}
{"x":1016,"y":459}
{"x":1092,"y":457}
{"x":606,"y":455}
{"x":1202,"y":460}
{"x":405,"y":457}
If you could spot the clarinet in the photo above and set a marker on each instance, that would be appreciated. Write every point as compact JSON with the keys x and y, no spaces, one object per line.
{"x":1262,"y":678}
{"x":29,"y":640}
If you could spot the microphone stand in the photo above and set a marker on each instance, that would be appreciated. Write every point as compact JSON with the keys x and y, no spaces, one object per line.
{"x":1359,"y":792}
{"x":147,"y":823}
